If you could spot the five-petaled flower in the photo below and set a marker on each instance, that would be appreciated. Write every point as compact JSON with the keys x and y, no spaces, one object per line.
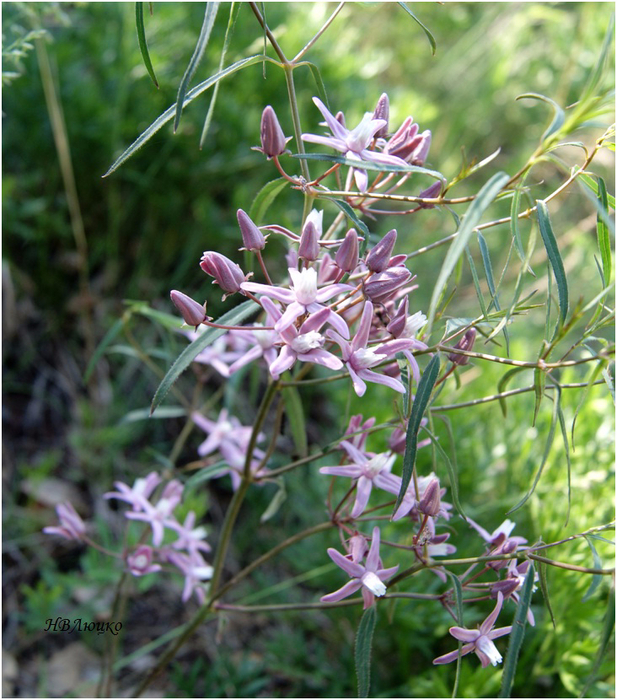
{"x":480,"y":641}
{"x":370,"y":577}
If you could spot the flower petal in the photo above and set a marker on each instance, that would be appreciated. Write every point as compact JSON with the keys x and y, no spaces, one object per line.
{"x":349,"y":588}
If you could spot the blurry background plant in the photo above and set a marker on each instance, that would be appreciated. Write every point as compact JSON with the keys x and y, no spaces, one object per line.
{"x":75,"y":253}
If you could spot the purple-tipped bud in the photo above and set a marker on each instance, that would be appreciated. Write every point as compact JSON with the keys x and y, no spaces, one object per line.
{"x":431,"y":192}
{"x":252,"y":237}
{"x":403,"y":142}
{"x":347,"y":255}
{"x":465,"y":343}
{"x":506,"y":586}
{"x":382,"y":111}
{"x":396,"y":327}
{"x":273,"y":141}
{"x":420,"y":152}
{"x":378,"y":258}
{"x":309,"y":242}
{"x":226,"y":273}
{"x":193,"y":313}
{"x":430,"y":503}
{"x":382,"y":286}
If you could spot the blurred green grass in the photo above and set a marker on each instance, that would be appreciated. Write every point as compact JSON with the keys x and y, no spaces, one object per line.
{"x":147,"y":226}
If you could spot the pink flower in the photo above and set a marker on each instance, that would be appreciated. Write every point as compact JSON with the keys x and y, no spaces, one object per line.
{"x":479,"y":641}
{"x":71,"y":527}
{"x":370,"y":578}
{"x":140,"y":561}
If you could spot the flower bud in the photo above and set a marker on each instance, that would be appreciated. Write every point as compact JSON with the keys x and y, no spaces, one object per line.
{"x":398,"y":441}
{"x":226,"y":273}
{"x":420,"y":152}
{"x":328,"y":271}
{"x":430,"y":193}
{"x":382,"y":286}
{"x":273,"y":139}
{"x":252,"y":237}
{"x":465,"y":343}
{"x":378,"y":258}
{"x":309,"y":242}
{"x":402,"y":143}
{"x":72,"y":527}
{"x":382,"y":111}
{"x":193,"y":313}
{"x":506,"y":586}
{"x":347,"y":255}
{"x":430,"y":502}
{"x":396,"y":327}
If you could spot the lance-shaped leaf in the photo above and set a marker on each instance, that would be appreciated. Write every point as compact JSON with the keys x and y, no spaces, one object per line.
{"x":362,"y":654}
{"x":295,"y":415}
{"x":143,"y":44}
{"x":352,"y":216}
{"x":231,"y":318}
{"x":559,"y":116}
{"x":517,"y":634}
{"x":264,"y":199}
{"x":472,"y":218}
{"x":420,"y":404}
{"x":368,"y":165}
{"x":554,"y":257}
{"x":604,"y":241}
{"x":169,"y":113}
{"x":597,"y":563}
{"x":202,"y":42}
{"x":425,"y":29}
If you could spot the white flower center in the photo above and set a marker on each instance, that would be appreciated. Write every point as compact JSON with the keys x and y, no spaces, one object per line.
{"x":486,"y":645}
{"x":366,"y":357}
{"x":307,"y":341}
{"x":140,"y":562}
{"x":374,"y":583}
{"x":375,"y":466}
{"x":361,"y":136}
{"x":413,"y":324}
{"x":202,"y":572}
{"x":305,"y":285}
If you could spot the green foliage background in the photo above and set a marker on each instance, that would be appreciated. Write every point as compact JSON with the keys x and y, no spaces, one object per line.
{"x":147,"y":226}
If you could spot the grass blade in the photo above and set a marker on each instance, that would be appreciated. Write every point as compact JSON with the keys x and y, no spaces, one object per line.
{"x":319,"y":83}
{"x":231,"y":318}
{"x":143,"y":44}
{"x":169,"y":113}
{"x":202,"y":42}
{"x":517,"y":634}
{"x":362,"y":652}
{"x":421,"y":401}
{"x":425,"y":29}
{"x":546,"y":231}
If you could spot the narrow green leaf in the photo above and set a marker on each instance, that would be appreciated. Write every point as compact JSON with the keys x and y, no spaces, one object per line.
{"x":143,"y":44}
{"x":607,"y":631}
{"x":503,"y":383}
{"x":606,"y":375}
{"x":205,"y":474}
{"x":204,"y":35}
{"x":367,"y":165}
{"x":476,"y":283}
{"x":233,"y":16}
{"x":353,"y":217}
{"x":559,"y":116}
{"x":144,"y":413}
{"x":429,"y":36}
{"x":517,"y":634}
{"x":319,"y":83}
{"x":596,"y":579}
{"x":604,"y":241}
{"x":231,"y":318}
{"x":593,"y":186}
{"x":169,"y":113}
{"x":108,"y":338}
{"x":547,"y":449}
{"x":277,"y":501}
{"x":590,"y":382}
{"x":264,"y":199}
{"x":458,"y":602}
{"x":169,"y":321}
{"x":514,"y":226}
{"x":421,"y":401}
{"x":566,"y":445}
{"x":362,"y":653}
{"x":488,"y":271}
{"x":539,"y":384}
{"x":295,"y":414}
{"x":548,"y":237}
{"x":472,"y":218}
{"x":598,"y":69}
{"x":543,"y":576}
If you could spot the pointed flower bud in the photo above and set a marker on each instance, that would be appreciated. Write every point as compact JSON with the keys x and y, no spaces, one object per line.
{"x":252,"y":237}
{"x":403,"y":142}
{"x":420,"y":152}
{"x":430,"y":503}
{"x":347,"y":255}
{"x":309,"y":242}
{"x":382,"y":111}
{"x":193,"y":313}
{"x":465,"y":343}
{"x":226,"y":273}
{"x":382,"y":286}
{"x":430,"y":193}
{"x":396,"y":327}
{"x":273,"y":139}
{"x":379,"y":257}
